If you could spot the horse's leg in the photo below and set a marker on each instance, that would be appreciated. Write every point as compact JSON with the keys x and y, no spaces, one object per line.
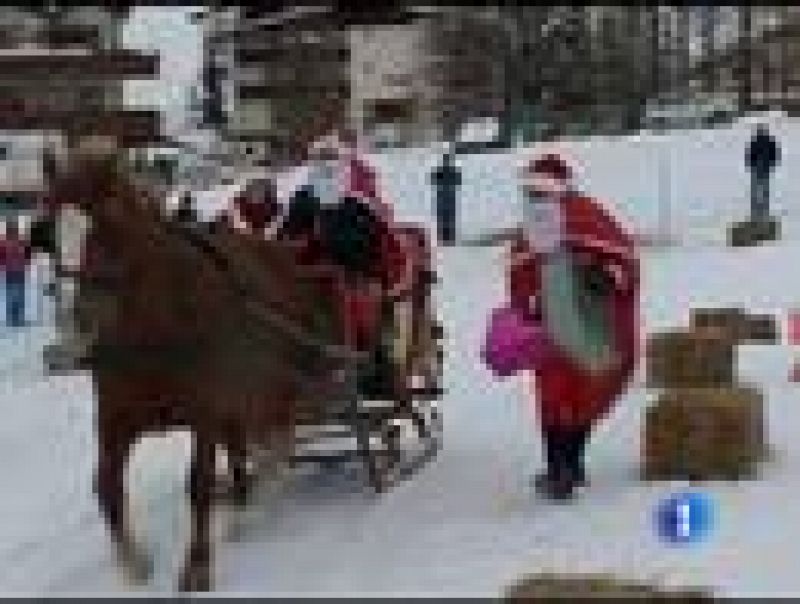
{"x":114,"y":447}
{"x":196,"y":575}
{"x":242,"y":480}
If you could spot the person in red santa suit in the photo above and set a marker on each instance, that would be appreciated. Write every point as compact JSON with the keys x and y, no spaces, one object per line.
{"x":575,"y":270}
{"x":338,"y":217}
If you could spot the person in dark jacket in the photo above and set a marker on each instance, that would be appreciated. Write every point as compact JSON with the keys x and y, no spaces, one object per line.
{"x":446,"y":180}
{"x":303,"y":216}
{"x":763,"y":154}
{"x":15,"y":254}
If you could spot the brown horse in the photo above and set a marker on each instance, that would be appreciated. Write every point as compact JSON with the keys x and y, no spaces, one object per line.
{"x":220,"y":334}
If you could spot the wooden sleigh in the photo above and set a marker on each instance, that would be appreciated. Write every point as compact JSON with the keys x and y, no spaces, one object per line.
{"x":381,"y":423}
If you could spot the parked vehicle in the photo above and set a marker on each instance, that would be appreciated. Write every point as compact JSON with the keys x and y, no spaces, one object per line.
{"x":691,"y":113}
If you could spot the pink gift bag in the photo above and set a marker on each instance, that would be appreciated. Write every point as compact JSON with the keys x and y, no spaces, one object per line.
{"x":513,"y":342}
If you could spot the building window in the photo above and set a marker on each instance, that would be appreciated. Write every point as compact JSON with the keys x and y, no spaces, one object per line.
{"x":4,"y":152}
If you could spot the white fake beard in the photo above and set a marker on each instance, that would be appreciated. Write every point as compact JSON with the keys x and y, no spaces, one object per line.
{"x":543,"y":222}
{"x":325,"y":182}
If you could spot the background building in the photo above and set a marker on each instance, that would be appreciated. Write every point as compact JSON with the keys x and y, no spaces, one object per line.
{"x":393,"y":94}
{"x":410,"y":74}
{"x":62,"y":72}
{"x":266,"y":76}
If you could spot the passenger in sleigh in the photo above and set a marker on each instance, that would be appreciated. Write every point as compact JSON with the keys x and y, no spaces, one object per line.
{"x":344,"y":233}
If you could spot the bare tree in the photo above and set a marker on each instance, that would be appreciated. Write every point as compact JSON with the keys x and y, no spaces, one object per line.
{"x":654,"y":32}
{"x":708,"y":26}
{"x":746,"y":57}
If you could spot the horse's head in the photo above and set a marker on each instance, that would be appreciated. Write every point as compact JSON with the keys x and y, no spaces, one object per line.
{"x":72,"y":184}
{"x":89,"y":196}
{"x":88,"y":182}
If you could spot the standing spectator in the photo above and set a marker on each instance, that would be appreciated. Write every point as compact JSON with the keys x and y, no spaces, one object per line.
{"x":15,"y":254}
{"x":446,"y":180}
{"x":763,"y":154}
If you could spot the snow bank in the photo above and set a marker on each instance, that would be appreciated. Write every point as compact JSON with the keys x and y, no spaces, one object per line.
{"x":690,"y":184}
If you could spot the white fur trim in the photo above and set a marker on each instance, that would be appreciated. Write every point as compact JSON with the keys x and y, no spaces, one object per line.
{"x":617,"y":273}
{"x":546,"y":184}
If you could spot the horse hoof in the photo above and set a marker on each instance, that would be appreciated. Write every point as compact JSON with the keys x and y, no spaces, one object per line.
{"x":195,"y":579}
{"x":137,"y":567}
{"x":240,"y":494}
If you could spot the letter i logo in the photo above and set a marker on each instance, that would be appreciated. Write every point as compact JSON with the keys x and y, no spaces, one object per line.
{"x":684,"y":518}
{"x":684,"y":526}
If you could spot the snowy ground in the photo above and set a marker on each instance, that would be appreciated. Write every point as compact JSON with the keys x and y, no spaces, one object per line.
{"x":465,"y":525}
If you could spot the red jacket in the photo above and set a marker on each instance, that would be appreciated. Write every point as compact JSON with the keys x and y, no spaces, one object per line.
{"x":15,"y":254}
{"x":568,"y":395}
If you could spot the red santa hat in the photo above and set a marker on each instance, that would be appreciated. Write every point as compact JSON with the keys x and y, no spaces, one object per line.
{"x":548,"y":173}
{"x":256,"y":204}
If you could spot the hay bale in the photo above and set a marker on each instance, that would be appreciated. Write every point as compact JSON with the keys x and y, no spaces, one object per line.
{"x":535,"y":587}
{"x":690,"y":360}
{"x":753,"y":232}
{"x":743,"y":327}
{"x":704,"y":434}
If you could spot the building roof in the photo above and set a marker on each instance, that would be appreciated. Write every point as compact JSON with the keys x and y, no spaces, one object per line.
{"x":277,"y":16}
{"x":135,"y":127}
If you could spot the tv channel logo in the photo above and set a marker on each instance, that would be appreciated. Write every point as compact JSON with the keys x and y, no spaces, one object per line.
{"x":685,"y":518}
